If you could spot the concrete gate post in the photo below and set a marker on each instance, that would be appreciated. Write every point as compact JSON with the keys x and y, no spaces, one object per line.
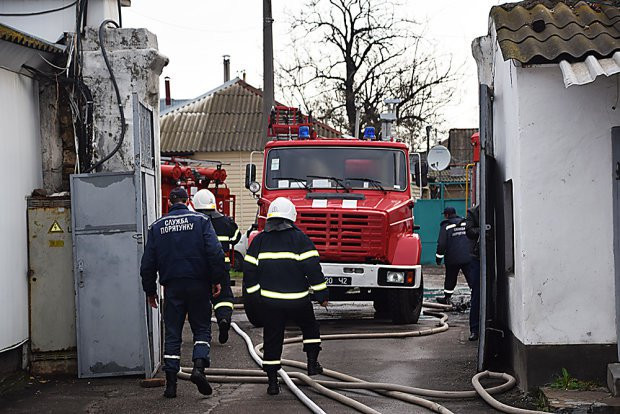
{"x":137,"y":64}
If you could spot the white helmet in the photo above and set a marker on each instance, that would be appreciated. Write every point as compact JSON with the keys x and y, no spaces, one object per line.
{"x":204,"y":200}
{"x":282,"y":207}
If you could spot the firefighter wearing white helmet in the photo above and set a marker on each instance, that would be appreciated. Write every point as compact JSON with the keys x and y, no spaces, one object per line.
{"x":228,"y":235}
{"x":282,"y":269}
{"x":282,"y":207}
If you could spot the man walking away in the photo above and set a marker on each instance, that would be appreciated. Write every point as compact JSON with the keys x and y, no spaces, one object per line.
{"x":281,"y":265}
{"x":183,"y":248}
{"x":472,"y":229}
{"x":452,"y":246}
{"x":228,"y":235}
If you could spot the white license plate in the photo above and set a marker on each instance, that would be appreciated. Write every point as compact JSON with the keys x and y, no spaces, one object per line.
{"x":338,"y":280}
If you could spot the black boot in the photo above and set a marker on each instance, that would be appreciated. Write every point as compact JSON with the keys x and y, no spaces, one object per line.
{"x":445,"y":300}
{"x":274,"y":387}
{"x":198,"y":377}
{"x":314,"y":367}
{"x":224,"y":326}
{"x":171,"y":385}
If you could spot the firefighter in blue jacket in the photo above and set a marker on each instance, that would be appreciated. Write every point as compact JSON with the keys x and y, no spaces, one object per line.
{"x":281,"y":266}
{"x":228,"y":235}
{"x":183,"y":248}
{"x":454,"y":247}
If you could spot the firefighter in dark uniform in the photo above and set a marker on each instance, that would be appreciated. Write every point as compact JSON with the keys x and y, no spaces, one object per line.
{"x":454,"y":247}
{"x":228,"y":234}
{"x":183,"y":248}
{"x":281,"y":266}
{"x":472,"y":229}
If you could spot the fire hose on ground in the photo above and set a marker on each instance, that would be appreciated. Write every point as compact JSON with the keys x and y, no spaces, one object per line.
{"x":343,"y":381}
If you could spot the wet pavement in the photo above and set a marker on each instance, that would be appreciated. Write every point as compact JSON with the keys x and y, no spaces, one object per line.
{"x":444,"y":361}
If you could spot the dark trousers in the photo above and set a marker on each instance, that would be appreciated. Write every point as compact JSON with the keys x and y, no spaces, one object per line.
{"x":223,"y":304}
{"x":273,"y":333}
{"x":452,"y":273}
{"x":186,"y":298}
{"x":474,"y":284}
{"x":471,"y":271}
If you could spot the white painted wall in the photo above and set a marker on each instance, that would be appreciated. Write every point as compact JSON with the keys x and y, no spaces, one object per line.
{"x":21,"y":168}
{"x":51,"y":26}
{"x":507,"y":152}
{"x":566,"y":208}
{"x":555,"y":144}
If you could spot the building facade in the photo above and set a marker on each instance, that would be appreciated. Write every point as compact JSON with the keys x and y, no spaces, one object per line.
{"x":551,"y":279}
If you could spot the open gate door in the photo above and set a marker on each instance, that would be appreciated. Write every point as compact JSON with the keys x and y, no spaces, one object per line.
{"x":117,"y":332}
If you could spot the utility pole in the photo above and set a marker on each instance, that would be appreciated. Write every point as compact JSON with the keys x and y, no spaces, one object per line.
{"x":267,"y":66}
{"x":358,"y":114}
{"x":428,"y":138}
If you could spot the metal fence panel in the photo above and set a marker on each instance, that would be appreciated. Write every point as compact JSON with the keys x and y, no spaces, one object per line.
{"x":428,"y":215}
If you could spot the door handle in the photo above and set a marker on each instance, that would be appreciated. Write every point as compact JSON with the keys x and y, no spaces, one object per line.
{"x":618,"y":171}
{"x":81,"y":271}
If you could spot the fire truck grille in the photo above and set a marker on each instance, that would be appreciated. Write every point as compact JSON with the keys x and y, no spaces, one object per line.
{"x":343,"y":236}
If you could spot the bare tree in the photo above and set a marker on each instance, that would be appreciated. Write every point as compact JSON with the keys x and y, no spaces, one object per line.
{"x":360,"y":52}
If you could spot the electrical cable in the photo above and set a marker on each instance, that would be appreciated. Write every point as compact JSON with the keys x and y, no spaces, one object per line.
{"x":38,"y":13}
{"x":343,"y":381}
{"x":118,"y":97}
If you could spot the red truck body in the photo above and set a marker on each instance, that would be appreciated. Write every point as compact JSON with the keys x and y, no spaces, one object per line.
{"x":378,"y":230}
{"x":353,"y":199}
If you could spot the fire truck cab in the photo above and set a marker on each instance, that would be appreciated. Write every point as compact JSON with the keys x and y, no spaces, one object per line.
{"x":353,"y":199}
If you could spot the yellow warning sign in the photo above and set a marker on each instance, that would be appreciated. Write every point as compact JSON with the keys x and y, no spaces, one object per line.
{"x":55,"y":228}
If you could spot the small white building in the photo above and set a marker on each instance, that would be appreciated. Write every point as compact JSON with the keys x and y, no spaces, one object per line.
{"x":37,"y":131}
{"x":552,"y":72}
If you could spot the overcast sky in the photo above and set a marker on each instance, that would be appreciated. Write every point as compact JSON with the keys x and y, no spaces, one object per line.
{"x":195,"y":34}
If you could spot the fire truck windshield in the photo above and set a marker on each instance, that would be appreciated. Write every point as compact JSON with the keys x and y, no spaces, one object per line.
{"x":308,"y":168}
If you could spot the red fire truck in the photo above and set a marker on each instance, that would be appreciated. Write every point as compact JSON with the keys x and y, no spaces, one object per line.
{"x":353,"y":199}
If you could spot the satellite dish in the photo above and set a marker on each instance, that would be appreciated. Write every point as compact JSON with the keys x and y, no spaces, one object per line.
{"x":438,"y":158}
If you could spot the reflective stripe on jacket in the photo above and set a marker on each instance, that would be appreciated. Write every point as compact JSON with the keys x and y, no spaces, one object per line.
{"x":228,"y":235}
{"x":283,"y":267}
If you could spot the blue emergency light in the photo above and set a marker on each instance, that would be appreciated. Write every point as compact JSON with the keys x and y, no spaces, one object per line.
{"x":369,"y":133}
{"x":304,"y":132}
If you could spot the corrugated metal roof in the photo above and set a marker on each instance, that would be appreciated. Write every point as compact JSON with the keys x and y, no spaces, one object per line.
{"x":19,"y":50}
{"x":549,"y":31}
{"x":581,"y":73}
{"x":20,"y":38}
{"x":174,"y":104}
{"x":227,"y":118}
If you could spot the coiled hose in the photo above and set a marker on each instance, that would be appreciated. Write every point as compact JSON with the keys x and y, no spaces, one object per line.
{"x":343,"y":381}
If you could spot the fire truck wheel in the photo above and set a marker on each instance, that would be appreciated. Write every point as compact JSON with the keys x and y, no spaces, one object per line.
{"x":381,"y":303}
{"x":405,"y":305}
{"x":252,"y":309}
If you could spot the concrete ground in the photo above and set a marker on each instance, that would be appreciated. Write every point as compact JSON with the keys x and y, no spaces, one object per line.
{"x":445,"y":361}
